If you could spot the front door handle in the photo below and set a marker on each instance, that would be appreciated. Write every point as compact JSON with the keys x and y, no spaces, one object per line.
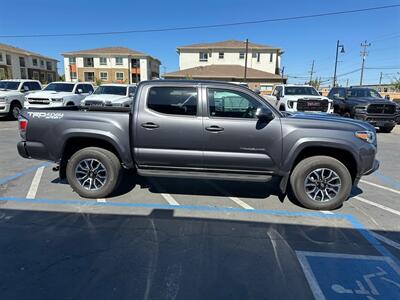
{"x":214,"y":128}
{"x":150,"y":125}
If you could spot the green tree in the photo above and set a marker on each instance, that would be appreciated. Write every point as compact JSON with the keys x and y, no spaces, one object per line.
{"x":316,"y":83}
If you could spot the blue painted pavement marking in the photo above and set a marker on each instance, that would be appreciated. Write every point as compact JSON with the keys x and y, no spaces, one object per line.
{"x":4,"y":180}
{"x":345,"y":276}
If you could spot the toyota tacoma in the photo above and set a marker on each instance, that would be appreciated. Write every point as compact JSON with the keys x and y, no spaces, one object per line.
{"x":204,"y":130}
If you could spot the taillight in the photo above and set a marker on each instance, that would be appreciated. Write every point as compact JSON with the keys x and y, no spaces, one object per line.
{"x":23,"y":125}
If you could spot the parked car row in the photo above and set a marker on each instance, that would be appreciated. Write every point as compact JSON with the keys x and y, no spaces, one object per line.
{"x":18,"y":93}
{"x":359,"y":103}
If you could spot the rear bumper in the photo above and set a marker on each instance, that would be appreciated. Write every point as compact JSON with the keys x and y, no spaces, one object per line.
{"x":32,"y":150}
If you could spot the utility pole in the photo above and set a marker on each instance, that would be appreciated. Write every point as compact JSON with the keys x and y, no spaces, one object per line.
{"x":283,"y":71}
{"x":336,"y":60}
{"x":380,"y":80}
{"x":364,"y":54}
{"x":245,"y":62}
{"x":311,"y":72}
{"x":347,"y":82}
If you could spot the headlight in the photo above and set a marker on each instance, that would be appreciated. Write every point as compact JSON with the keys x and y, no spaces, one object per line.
{"x":57,"y":99}
{"x":368,"y":136}
{"x":360,"y":109}
{"x":290,"y":104}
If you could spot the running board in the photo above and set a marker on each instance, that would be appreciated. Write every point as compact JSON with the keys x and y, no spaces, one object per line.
{"x":204,"y":175}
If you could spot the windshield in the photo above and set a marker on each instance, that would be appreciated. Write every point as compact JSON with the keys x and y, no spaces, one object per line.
{"x":362,"y":93}
{"x":9,"y":85}
{"x":60,"y":87}
{"x":111,"y":90}
{"x":300,"y":90}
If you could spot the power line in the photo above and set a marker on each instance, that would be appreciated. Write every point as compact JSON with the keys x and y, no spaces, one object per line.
{"x":204,"y":26}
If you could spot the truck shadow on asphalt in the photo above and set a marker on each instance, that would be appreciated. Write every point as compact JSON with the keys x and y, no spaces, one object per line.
{"x":65,"y":255}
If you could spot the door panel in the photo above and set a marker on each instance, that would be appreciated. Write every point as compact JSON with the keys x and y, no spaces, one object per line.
{"x":243,"y":142}
{"x":169,"y":130}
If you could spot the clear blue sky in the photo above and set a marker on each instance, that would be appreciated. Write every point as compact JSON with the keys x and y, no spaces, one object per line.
{"x":302,"y":40}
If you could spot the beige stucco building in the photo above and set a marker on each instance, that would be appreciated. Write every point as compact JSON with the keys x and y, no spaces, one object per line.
{"x":226,"y":61}
{"x":17,"y":63}
{"x":110,"y":65}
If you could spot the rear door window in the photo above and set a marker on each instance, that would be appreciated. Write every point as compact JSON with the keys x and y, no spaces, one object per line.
{"x":173,"y":100}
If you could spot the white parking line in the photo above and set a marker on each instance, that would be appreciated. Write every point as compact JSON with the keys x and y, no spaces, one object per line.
{"x":327,"y":212}
{"x":385,"y":240}
{"x":35,"y":183}
{"x":391,"y":210}
{"x":241,"y":203}
{"x":101,"y":200}
{"x":380,"y":186}
{"x":169,"y":199}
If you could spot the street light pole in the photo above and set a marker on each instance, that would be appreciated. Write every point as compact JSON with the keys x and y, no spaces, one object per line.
{"x":336,"y":60}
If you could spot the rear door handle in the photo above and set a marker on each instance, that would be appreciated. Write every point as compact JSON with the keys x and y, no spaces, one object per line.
{"x":150,"y":125}
{"x":214,"y":128}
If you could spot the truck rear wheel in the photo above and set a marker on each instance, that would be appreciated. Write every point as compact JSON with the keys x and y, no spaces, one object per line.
{"x":93,"y":172}
{"x":321,"y":182}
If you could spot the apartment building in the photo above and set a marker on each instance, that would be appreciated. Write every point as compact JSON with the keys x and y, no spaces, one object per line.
{"x":226,"y":61}
{"x":110,"y":65}
{"x":17,"y":63}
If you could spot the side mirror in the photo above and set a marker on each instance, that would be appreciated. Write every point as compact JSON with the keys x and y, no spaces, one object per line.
{"x":257,"y":91}
{"x":278,"y":97}
{"x":264,"y":114}
{"x":80,"y":91}
{"x":25,"y":89}
{"x":387,"y":97}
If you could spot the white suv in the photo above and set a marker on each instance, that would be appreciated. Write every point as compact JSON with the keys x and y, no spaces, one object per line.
{"x":12,"y":95}
{"x":120,"y":95}
{"x":59,"y":94}
{"x":303,"y":98}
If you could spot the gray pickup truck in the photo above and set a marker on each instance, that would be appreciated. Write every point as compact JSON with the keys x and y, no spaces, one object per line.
{"x":205,"y":130}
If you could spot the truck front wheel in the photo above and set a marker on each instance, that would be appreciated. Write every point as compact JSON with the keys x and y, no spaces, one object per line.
{"x":93,"y":172}
{"x":321,"y":182}
{"x":387,"y":129}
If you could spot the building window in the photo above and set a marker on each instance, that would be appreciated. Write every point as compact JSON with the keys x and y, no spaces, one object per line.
{"x":88,"y":62}
{"x":221,"y":55}
{"x":1,"y":56}
{"x":22,"y":62}
{"x":258,"y":56}
{"x":104,"y":75}
{"x":241,"y":55}
{"x":34,"y":62}
{"x":42,"y":63}
{"x":173,"y":100}
{"x":42,"y":77}
{"x":254,"y":54}
{"x":8,"y":60}
{"x":72,"y":60}
{"x":73,"y":76}
{"x":48,"y":65}
{"x":118,"y":61}
{"x":103,"y":61}
{"x":203,"y":56}
{"x":119,"y":76}
{"x":35,"y":75}
{"x":89,"y":76}
{"x":271,"y":57}
{"x":49,"y":77}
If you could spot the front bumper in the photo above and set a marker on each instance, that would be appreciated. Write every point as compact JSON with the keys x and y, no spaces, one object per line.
{"x":4,"y":108}
{"x":28,"y":105}
{"x":377,"y":120}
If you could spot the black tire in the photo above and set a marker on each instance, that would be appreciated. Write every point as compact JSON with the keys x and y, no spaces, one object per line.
{"x":109,"y":161}
{"x":15,"y":110}
{"x":386,"y":129}
{"x":305,"y":167}
{"x":70,"y":104}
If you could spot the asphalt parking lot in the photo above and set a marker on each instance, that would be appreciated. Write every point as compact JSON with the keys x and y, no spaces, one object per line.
{"x":179,"y":239}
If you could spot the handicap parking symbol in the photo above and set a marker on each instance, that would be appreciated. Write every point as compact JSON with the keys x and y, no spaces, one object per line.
{"x":347,"y":276}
